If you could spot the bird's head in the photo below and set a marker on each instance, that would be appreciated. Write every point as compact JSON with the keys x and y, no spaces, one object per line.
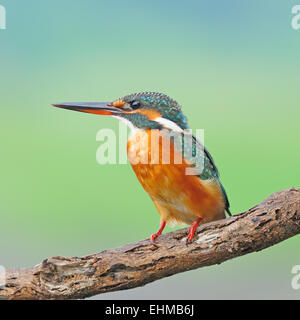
{"x":145,"y":110}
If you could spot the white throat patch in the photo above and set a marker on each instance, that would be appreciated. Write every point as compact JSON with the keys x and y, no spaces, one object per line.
{"x":169,"y":124}
{"x":133,"y":128}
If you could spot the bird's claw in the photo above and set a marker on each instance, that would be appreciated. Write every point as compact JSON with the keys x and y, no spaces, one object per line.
{"x":189,"y":239}
{"x":192,"y":231}
{"x":153,"y":238}
{"x":158,"y":233}
{"x":190,"y":236}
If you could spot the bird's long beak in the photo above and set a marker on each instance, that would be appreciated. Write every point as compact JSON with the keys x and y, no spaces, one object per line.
{"x":102,"y":108}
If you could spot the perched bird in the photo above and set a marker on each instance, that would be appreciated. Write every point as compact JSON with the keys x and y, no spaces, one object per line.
{"x":193,"y":198}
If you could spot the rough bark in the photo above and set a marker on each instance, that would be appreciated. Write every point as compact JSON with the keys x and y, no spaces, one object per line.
{"x":272,"y":221}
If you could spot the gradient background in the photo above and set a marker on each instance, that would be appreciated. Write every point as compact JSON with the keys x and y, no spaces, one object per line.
{"x":233,"y":65}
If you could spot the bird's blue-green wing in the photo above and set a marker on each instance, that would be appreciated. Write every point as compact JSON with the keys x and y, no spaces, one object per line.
{"x":202,"y":163}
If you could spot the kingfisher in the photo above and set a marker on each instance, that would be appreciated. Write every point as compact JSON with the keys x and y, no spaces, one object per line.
{"x":158,"y":127}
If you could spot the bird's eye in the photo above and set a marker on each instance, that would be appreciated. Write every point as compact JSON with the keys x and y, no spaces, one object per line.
{"x":135,"y":105}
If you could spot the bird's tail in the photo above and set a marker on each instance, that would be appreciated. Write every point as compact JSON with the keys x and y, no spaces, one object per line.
{"x":227,"y":204}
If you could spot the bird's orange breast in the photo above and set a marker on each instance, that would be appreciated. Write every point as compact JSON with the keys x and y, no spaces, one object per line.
{"x":178,"y":197}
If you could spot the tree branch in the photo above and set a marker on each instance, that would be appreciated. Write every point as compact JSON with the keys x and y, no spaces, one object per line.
{"x":272,"y":221}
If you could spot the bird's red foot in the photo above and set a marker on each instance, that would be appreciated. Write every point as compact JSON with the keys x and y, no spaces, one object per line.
{"x":154,"y":236}
{"x":192,"y":230}
{"x":159,"y":232}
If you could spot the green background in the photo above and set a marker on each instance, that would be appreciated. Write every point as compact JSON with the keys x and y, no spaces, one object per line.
{"x":233,"y":65}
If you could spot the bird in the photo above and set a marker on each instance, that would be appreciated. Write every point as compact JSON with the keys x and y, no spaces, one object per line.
{"x":180,"y":198}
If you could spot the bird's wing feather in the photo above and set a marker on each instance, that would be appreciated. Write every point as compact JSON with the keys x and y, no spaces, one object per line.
{"x":195,"y":152}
